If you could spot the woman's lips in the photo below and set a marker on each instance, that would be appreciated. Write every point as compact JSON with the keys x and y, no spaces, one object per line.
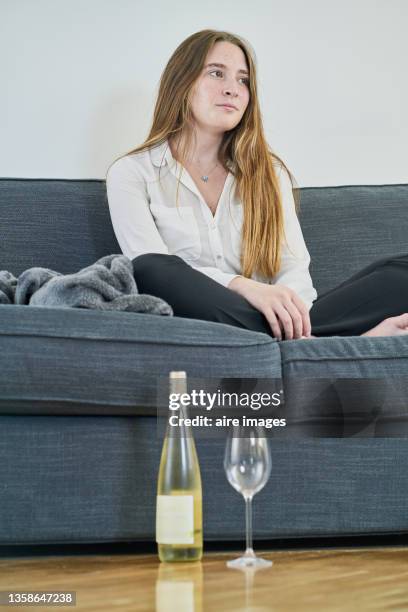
{"x":231,"y":108}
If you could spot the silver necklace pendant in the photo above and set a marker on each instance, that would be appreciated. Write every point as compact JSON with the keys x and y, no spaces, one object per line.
{"x":204,"y":177}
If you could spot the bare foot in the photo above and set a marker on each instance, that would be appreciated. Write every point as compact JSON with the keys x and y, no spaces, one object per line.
{"x":393,"y":326}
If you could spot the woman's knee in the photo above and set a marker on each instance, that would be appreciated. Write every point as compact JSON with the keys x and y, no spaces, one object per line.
{"x":150,"y":262}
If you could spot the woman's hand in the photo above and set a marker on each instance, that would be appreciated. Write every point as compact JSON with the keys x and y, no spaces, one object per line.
{"x":281,"y":306}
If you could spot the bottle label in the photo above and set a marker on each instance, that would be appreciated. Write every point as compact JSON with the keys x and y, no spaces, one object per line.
{"x":175,"y":519}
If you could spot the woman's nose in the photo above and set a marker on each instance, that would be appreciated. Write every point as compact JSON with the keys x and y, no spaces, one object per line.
{"x":231,"y":88}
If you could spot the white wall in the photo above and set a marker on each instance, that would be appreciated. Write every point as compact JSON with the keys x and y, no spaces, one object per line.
{"x":79,"y":79}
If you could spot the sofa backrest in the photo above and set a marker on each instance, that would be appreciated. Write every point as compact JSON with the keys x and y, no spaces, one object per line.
{"x":54,"y":223}
{"x":348,"y":227}
{"x":65,"y":225}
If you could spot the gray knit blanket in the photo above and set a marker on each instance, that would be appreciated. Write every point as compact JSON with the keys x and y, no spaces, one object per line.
{"x":108,"y":284}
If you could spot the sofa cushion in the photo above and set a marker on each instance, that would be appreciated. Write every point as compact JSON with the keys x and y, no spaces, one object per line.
{"x":345,"y":357}
{"x":80,"y":361}
{"x":346,"y":386}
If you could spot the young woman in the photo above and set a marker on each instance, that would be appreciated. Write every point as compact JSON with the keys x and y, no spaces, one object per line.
{"x":206,"y":212}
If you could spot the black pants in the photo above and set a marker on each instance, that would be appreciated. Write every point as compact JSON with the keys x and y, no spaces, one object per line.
{"x":376,"y":292}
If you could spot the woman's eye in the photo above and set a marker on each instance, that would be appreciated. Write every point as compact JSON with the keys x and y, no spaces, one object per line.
{"x":246,"y":81}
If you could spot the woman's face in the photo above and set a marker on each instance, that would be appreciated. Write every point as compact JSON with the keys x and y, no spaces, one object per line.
{"x":221,"y":85}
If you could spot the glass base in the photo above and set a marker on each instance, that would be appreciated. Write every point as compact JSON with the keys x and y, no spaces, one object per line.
{"x":249,"y":561}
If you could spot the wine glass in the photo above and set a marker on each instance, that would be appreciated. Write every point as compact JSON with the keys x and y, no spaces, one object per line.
{"x":247,"y":464}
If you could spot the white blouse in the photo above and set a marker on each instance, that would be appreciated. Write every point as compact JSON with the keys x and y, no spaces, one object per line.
{"x":145,"y":219}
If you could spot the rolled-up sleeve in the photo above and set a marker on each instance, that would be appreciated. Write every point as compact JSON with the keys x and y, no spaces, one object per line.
{"x":295,"y":258}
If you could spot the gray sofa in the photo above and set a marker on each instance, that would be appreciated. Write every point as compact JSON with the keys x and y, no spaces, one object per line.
{"x":79,"y":450}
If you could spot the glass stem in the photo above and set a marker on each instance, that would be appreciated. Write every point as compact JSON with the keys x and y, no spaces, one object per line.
{"x":248,"y":521}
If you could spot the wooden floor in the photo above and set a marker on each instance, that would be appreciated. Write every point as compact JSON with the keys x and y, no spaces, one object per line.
{"x":326,"y":580}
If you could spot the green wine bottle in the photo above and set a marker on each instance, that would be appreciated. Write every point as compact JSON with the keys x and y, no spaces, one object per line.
{"x":179,"y":523}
